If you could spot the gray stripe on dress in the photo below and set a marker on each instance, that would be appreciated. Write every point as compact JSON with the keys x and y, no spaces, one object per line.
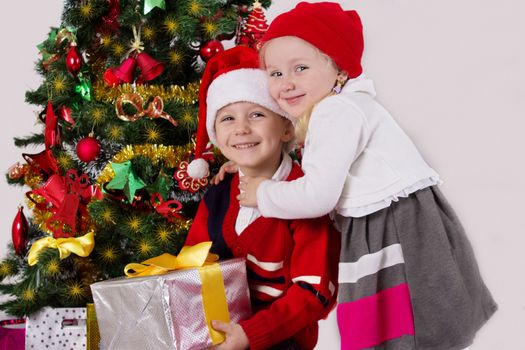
{"x":365,"y":235}
{"x":405,"y":342}
{"x":371,"y":284}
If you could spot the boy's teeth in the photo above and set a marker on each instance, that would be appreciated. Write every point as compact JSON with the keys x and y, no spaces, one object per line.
{"x":245,"y":145}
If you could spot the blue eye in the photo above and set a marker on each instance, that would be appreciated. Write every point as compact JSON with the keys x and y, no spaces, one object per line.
{"x":301,"y":68}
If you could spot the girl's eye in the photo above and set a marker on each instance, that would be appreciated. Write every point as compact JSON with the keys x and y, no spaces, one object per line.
{"x":301,"y":68}
{"x":257,"y":115}
{"x":276,"y":74}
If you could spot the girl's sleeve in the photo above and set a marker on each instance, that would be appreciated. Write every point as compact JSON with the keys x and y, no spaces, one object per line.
{"x":199,"y":229}
{"x":337,"y":134}
{"x":313,"y":271}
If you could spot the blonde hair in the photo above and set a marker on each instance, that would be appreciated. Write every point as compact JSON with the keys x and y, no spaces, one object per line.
{"x":301,"y":123}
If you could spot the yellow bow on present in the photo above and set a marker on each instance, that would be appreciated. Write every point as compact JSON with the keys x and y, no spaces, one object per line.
{"x":81,"y":246}
{"x":213,"y":292}
{"x":189,"y":257}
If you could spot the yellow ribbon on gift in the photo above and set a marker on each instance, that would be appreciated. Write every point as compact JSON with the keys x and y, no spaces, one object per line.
{"x":81,"y":246}
{"x":213,"y":292}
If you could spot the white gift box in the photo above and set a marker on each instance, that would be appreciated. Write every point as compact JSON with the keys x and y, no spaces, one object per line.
{"x":56,"y":328}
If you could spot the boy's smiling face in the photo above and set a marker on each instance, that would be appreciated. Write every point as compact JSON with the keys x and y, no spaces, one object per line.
{"x":252,"y":136}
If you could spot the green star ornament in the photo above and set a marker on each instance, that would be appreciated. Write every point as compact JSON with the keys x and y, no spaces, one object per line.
{"x":161,"y":185}
{"x":126,"y":180}
{"x":151,"y":4}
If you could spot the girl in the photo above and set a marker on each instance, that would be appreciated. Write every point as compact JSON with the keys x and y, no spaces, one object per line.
{"x":408,"y":277}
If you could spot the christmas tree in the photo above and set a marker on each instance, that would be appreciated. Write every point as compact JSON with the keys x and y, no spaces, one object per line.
{"x":254,"y":27}
{"x":118,"y":105}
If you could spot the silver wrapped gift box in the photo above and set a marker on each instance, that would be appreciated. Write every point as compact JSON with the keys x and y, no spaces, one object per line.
{"x":166,"y":311}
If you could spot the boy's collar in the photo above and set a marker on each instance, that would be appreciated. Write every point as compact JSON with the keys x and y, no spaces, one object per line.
{"x":282,"y":171}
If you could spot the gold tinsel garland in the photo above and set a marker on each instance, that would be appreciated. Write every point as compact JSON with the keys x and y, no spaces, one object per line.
{"x":171,"y":156}
{"x":181,"y":224}
{"x":184,"y":95}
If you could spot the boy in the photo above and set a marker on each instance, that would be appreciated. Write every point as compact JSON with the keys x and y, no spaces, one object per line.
{"x":292,"y":264}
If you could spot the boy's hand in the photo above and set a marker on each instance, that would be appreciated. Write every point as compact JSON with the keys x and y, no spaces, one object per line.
{"x":248,"y":186}
{"x":236,"y":339}
{"x":228,"y":167}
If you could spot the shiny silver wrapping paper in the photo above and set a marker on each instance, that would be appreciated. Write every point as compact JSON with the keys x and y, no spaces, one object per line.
{"x":164,"y":312}
{"x":130,"y":314}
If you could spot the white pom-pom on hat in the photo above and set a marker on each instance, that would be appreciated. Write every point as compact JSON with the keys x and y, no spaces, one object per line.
{"x":198,"y":168}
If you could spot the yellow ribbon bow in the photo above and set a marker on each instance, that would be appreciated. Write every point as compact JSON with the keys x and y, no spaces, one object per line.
{"x":189,"y":256}
{"x":212,"y":291}
{"x":81,"y":246}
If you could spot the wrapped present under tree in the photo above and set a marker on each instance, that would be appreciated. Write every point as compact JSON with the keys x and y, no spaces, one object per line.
{"x":172,"y":310}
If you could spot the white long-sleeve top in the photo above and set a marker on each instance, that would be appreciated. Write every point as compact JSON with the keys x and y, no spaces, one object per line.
{"x":356,"y":160}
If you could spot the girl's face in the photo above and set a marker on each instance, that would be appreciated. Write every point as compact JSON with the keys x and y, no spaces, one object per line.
{"x":252,"y":136}
{"x":299,"y":74}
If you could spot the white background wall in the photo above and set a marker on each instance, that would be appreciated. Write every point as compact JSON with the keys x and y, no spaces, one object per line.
{"x":453,"y":75}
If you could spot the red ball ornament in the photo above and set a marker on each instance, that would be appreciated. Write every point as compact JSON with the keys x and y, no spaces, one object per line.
{"x":73,"y":60}
{"x":19,"y":232}
{"x":210,"y":49}
{"x":88,"y":149}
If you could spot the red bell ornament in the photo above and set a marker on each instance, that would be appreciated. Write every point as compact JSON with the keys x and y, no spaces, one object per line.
{"x":126,"y":71}
{"x":43,"y":162}
{"x":19,"y":232}
{"x":149,"y":67}
{"x":88,"y":149}
{"x":210,"y":49}
{"x":73,"y":60}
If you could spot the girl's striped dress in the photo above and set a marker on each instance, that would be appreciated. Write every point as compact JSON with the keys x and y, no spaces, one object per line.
{"x":408,"y":278}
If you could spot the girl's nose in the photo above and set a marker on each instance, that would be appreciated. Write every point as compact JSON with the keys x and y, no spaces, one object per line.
{"x":287,"y":84}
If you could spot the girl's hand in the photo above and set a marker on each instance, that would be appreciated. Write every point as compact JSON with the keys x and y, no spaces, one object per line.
{"x":236,"y":339}
{"x":228,"y":167}
{"x":248,"y":186}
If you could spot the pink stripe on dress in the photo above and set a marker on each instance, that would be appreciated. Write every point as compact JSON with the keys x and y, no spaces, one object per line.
{"x":372,"y":320}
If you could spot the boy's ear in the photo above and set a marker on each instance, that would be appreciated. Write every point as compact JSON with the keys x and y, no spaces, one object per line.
{"x":289,"y":131}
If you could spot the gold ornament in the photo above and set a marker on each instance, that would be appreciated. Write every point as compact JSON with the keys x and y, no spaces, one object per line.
{"x":28,"y":295}
{"x":134,"y":223}
{"x":75,"y":291}
{"x":155,"y":108}
{"x":109,"y":254}
{"x":145,"y":247}
{"x":6,"y":269}
{"x":52,"y":268}
{"x":171,"y":25}
{"x":210,"y":29}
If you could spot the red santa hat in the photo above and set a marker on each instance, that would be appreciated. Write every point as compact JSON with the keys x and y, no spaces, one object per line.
{"x":325,"y":25}
{"x":231,"y":76}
